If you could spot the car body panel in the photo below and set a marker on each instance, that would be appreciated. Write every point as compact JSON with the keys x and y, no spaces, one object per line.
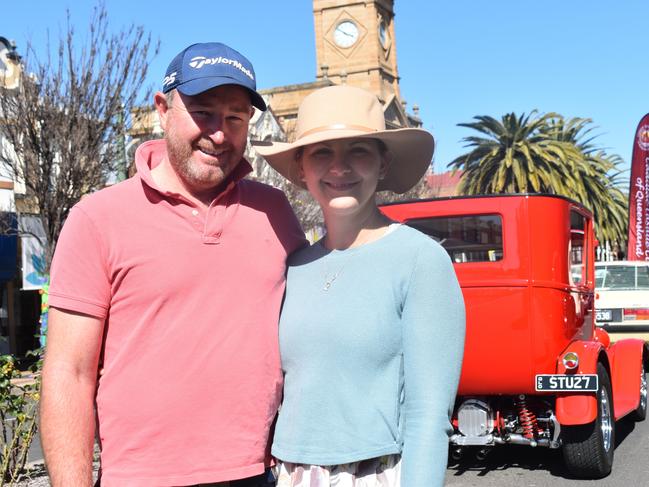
{"x":626,"y":361}
{"x":528,"y":299}
{"x":507,"y":299}
{"x":579,"y":408}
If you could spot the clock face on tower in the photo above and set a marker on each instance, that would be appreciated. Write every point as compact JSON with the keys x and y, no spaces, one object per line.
{"x":346,"y":34}
{"x":355,"y":45}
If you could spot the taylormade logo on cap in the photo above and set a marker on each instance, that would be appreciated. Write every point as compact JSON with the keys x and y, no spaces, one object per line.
{"x":201,"y":67}
{"x":199,"y":61}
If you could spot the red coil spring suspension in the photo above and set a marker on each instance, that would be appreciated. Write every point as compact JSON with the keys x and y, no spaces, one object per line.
{"x":527,"y":418}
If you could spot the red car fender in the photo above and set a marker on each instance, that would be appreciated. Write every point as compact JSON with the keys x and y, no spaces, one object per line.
{"x":602,"y":337}
{"x":579,"y":408}
{"x":626,"y":358}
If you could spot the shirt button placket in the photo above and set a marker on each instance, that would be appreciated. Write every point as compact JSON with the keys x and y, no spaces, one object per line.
{"x":213,"y":223}
{"x":196,"y":220}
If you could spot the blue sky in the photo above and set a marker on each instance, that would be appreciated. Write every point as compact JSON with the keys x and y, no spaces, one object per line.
{"x":457,"y":59}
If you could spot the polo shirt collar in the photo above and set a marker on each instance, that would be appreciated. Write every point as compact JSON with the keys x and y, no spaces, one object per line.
{"x":151,"y":153}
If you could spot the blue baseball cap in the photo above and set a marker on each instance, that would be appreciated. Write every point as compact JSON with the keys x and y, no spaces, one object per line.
{"x":201,"y":67}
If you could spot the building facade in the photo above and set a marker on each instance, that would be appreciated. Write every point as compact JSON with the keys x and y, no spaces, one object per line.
{"x":19,"y":300}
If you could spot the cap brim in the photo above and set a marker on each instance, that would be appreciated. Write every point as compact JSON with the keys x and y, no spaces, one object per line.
{"x":411,"y":148}
{"x":197,"y":86}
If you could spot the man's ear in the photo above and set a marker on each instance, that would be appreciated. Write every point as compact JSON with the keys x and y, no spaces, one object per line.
{"x":162,"y":107}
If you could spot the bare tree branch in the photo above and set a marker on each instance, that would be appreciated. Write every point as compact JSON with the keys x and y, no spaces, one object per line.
{"x":65,"y":121}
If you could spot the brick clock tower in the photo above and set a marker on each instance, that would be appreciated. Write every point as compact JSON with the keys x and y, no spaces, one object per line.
{"x":355,"y":45}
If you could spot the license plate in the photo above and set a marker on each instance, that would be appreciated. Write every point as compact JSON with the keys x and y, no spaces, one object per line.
{"x":604,"y":314}
{"x":566,"y":383}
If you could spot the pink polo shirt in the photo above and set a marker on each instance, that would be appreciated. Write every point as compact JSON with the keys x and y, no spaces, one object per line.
{"x":191,"y":375}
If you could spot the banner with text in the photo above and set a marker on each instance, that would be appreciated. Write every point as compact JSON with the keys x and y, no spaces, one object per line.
{"x":638,"y":248}
{"x":33,"y":241}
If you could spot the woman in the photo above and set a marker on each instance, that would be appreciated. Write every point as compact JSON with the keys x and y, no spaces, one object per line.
{"x":372,"y":326}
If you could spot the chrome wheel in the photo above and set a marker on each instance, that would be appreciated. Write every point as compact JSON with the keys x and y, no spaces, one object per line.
{"x":643,"y":388}
{"x":640,"y":414}
{"x":606,"y":424}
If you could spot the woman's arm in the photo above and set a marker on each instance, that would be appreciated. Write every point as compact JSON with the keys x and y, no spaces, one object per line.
{"x":433,"y":344}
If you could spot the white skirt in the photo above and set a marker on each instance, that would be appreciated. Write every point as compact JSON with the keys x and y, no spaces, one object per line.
{"x":382,"y":471}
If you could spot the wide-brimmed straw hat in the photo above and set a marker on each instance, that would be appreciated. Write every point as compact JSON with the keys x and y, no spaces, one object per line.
{"x":342,"y":112}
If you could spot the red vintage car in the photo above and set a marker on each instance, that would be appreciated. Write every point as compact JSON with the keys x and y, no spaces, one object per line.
{"x":536,"y":370}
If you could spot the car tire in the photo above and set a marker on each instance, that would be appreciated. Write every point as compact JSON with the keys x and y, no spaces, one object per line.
{"x":588,"y":449}
{"x":641,"y":412}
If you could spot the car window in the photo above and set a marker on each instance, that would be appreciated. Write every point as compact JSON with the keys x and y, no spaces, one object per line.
{"x":619,"y":277}
{"x":577,"y":254}
{"x":600,"y":272}
{"x":643,"y":277}
{"x":471,"y":238}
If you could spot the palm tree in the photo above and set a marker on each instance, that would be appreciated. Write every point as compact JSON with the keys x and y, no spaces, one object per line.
{"x":605,"y":194}
{"x":544,"y":154}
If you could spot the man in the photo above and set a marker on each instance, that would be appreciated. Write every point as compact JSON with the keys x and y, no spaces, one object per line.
{"x":165,"y":296}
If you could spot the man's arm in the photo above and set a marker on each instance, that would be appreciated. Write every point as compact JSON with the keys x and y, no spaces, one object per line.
{"x":68,"y":396}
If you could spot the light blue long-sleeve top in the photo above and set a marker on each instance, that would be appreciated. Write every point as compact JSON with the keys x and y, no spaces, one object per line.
{"x":371,"y":340}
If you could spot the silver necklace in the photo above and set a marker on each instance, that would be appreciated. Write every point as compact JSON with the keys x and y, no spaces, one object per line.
{"x":330,"y":277}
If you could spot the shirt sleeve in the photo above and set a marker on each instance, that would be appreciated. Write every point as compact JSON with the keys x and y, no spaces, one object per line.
{"x":79,"y":279}
{"x":291,"y":234}
{"x":433,"y":343}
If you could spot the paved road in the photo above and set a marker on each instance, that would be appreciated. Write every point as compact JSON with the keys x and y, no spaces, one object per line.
{"x":514,"y":466}
{"x":517,"y":466}
{"x":526,"y":467}
{"x":35,"y":453}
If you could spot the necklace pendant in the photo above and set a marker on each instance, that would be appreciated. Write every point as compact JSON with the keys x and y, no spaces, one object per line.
{"x":329,"y":281}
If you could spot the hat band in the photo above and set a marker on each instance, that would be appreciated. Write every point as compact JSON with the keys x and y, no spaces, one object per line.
{"x":337,"y":126}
